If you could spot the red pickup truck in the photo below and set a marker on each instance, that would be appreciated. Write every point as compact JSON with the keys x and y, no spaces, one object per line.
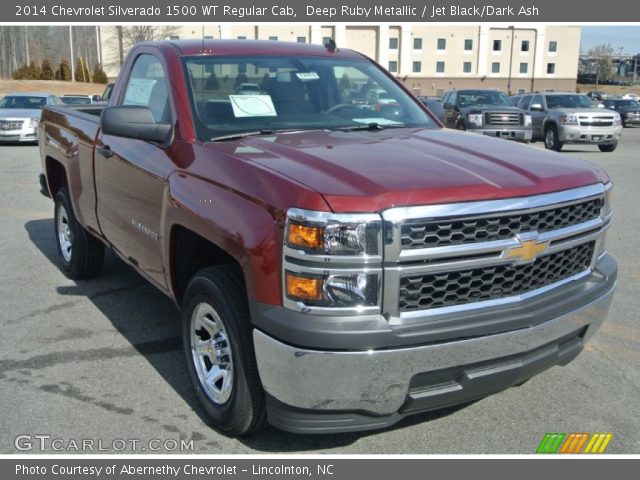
{"x":338,"y":266}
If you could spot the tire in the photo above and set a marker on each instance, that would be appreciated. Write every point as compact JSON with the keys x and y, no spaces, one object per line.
{"x":551,"y":140}
{"x":216,"y":317}
{"x":82,"y":254}
{"x":608,"y":147}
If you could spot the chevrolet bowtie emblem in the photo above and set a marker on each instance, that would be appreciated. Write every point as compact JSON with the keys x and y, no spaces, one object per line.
{"x":527,"y":251}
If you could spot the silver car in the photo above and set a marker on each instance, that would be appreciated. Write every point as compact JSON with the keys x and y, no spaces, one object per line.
{"x":20,"y":114}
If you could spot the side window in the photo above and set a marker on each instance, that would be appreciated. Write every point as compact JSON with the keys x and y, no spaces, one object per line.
{"x":538,"y":99}
{"x":525,"y":102}
{"x":453,"y":97}
{"x":147,"y":87}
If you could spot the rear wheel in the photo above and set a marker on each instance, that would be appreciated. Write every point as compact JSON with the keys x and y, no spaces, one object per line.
{"x":607,"y":147}
{"x":218,"y":344}
{"x":551,"y":140}
{"x":82,"y":254}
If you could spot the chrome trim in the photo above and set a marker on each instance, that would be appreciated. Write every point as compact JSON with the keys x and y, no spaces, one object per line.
{"x":331,"y":259}
{"x":420,"y":315}
{"x":378,"y":381}
{"x":394,"y":217}
{"x":323,"y":218}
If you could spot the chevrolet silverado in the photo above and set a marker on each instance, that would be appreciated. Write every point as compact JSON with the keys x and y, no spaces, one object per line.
{"x":337,"y":268}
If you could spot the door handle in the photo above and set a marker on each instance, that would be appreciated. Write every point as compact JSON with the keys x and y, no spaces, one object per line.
{"x":105,"y":151}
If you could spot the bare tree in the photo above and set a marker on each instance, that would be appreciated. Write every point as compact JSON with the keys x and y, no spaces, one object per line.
{"x":602,"y":60}
{"x":127,"y":37}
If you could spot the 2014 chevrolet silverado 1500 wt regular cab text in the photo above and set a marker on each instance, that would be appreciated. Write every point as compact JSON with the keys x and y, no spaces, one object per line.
{"x":338,"y":267}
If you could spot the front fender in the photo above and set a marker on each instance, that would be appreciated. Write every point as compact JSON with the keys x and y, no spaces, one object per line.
{"x":247,"y":230}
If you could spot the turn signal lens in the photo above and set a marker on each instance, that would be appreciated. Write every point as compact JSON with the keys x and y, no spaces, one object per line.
{"x":305,"y":237}
{"x":301,"y":288}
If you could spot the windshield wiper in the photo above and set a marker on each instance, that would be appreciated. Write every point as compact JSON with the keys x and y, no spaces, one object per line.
{"x":370,"y":126}
{"x":236,"y":136}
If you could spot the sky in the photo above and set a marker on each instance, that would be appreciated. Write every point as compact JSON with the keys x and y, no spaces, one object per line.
{"x":627,"y":37}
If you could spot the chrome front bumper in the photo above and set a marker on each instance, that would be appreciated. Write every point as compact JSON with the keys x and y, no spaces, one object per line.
{"x":521,"y":135}
{"x":377,"y":382}
{"x":581,"y":134}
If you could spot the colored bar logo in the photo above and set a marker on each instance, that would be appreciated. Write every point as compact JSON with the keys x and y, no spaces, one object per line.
{"x":574,"y":443}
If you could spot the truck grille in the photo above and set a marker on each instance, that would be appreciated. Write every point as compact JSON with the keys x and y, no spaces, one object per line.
{"x":436,"y":290}
{"x":505,"y":118}
{"x":424,"y":233}
{"x":11,"y":124}
{"x":596,"y":121}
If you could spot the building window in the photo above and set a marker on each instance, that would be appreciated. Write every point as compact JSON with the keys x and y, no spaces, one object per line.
{"x":208,"y":37}
{"x":393,"y":43}
{"x":393,"y":66}
{"x":439,"y":67}
{"x":524,"y":67}
{"x":466,"y":67}
{"x":524,"y":47}
{"x":442,"y":44}
{"x":301,"y":39}
{"x":551,"y":68}
{"x":417,"y":44}
{"x":242,"y":37}
{"x":497,"y":45}
{"x":326,"y":40}
{"x":468,"y":45}
{"x":273,"y":37}
{"x":417,"y":67}
{"x":495,"y":67}
{"x":174,"y":37}
{"x":553,"y":47}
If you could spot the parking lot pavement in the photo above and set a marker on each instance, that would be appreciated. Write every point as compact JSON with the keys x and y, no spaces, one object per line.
{"x":101,"y":359}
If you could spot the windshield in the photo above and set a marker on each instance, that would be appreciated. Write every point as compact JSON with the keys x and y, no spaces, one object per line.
{"x":469,"y":98}
{"x":76,"y":100}
{"x":294,"y":93}
{"x":620,"y":104}
{"x":32,"y":103}
{"x":569,"y":101}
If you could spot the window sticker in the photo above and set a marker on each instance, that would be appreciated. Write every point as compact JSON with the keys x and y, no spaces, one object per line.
{"x":252,"y":106}
{"x":379,"y":121}
{"x":308,"y":76}
{"x":139,"y":91}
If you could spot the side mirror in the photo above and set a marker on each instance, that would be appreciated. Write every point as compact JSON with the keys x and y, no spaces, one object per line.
{"x":535,"y":107}
{"x":135,"y":122}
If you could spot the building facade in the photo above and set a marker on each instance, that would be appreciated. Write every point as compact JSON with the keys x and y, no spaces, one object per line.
{"x":429,"y":59}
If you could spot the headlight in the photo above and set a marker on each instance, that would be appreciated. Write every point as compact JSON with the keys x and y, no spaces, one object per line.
{"x":568,"y":120}
{"x":332,"y":261}
{"x":323,"y":233}
{"x":34,"y":122}
{"x":527,"y":120}
{"x":475,"y":118}
{"x":617,"y":120}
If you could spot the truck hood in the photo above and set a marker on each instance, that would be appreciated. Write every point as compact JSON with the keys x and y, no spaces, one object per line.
{"x":19,"y":113}
{"x":490,"y":108}
{"x":375,"y":170}
{"x":585,"y":111}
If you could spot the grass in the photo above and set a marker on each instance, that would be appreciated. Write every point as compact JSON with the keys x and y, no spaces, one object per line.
{"x":49,"y":86}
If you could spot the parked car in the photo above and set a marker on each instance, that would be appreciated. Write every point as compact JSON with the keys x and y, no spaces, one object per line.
{"x":560,"y":118}
{"x":76,"y":99}
{"x":20,"y":114}
{"x":629,"y":110}
{"x":597,"y":95}
{"x":487,"y":112}
{"x":630,"y":96}
{"x":377,"y":97}
{"x":249,"y":89}
{"x":435,"y":106}
{"x":354,"y":97}
{"x":336,"y":270}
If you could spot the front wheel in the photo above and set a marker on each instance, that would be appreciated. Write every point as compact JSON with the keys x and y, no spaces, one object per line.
{"x":551,"y":139}
{"x":82,"y":254}
{"x":607,"y":147}
{"x":218,"y":345}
